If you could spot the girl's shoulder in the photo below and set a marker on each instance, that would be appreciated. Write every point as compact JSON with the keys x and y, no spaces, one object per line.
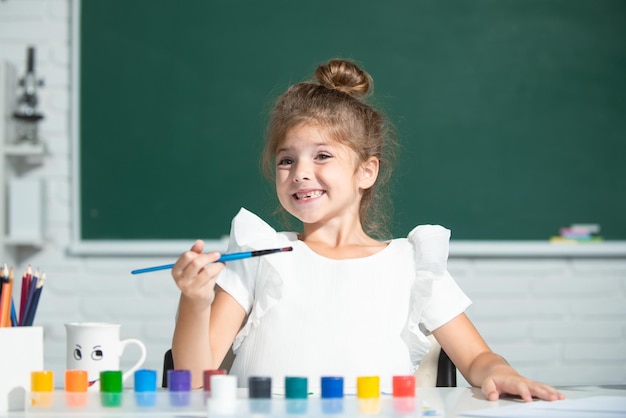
{"x":249,"y":231}
{"x":424,"y":237}
{"x":431,"y":245}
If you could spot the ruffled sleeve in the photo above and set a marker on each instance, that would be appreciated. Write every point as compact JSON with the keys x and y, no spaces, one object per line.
{"x":255,"y":282}
{"x":435,"y":296}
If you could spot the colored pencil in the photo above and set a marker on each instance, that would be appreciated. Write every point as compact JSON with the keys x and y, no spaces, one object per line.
{"x":26,"y":277}
{"x":5,"y":302}
{"x":222,"y":259}
{"x":3,"y":278}
{"x":12,"y":314}
{"x":14,"y":321}
{"x":32,"y":308}
{"x":32,"y":285}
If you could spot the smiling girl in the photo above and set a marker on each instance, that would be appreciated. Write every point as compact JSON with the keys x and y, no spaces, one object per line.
{"x":347,"y":300}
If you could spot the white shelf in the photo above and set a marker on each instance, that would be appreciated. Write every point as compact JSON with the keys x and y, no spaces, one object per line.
{"x":521,"y":249}
{"x":24,"y":150}
{"x":23,"y":241}
{"x":458,"y":249}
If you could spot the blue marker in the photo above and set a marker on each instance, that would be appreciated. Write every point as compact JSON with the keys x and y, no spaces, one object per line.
{"x":222,"y":259}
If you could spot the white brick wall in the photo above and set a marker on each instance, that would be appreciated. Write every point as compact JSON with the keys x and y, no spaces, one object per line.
{"x":559,"y":320}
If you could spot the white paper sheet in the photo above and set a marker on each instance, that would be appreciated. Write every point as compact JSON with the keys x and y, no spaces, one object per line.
{"x":592,"y":407}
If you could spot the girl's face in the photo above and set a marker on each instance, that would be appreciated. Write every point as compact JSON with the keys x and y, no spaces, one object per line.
{"x":317,"y":179}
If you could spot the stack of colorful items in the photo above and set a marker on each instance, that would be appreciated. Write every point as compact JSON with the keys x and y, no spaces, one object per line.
{"x":578,"y":233}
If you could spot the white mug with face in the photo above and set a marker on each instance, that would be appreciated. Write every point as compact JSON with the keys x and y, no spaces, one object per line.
{"x":96,"y":347}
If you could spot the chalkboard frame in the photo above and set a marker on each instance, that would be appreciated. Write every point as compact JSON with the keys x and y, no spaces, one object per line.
{"x":459,"y":248}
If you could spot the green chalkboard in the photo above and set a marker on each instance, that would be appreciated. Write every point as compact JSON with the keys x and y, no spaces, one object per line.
{"x":511,"y":113}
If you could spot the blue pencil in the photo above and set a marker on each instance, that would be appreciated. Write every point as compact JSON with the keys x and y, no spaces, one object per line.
{"x":14,"y":321}
{"x":222,"y":259}
{"x":29,"y":317}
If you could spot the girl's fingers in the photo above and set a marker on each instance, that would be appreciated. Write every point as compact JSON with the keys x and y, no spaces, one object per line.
{"x":490,"y":390}
{"x":198,"y":246}
{"x":546,"y":392}
{"x":522,"y":387}
{"x":191,"y":264}
{"x":197,"y":279}
{"x":199,"y":263}
{"x":524,"y":392}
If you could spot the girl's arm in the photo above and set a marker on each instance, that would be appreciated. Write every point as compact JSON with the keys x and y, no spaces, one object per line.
{"x":207,"y":320}
{"x":482,"y":367}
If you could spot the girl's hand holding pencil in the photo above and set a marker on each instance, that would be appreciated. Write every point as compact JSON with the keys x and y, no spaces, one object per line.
{"x":195,"y":272}
{"x":32,"y":286}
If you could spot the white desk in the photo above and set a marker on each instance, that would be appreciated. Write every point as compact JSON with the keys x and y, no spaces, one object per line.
{"x":451,"y":402}
{"x":448,"y":402}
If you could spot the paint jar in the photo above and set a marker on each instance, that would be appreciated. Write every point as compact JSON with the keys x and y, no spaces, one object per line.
{"x":145,"y":387}
{"x":179,"y":385}
{"x":76,"y":385}
{"x":42,"y":388}
{"x":260,"y":394}
{"x":332,"y":394}
{"x":111,"y":388}
{"x":368,"y":394}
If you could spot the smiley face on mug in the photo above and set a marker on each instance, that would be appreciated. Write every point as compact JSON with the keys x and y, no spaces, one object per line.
{"x":96,"y":347}
{"x":95,"y":353}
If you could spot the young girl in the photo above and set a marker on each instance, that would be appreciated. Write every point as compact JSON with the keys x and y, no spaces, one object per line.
{"x":341,"y":303}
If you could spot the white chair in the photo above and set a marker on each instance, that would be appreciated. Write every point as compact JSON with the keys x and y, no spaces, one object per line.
{"x":436,"y":369}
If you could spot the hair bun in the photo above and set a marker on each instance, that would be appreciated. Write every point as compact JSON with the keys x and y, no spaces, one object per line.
{"x":345,"y":76}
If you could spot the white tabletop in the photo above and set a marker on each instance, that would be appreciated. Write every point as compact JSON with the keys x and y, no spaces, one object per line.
{"x":451,"y":402}
{"x":440,"y":402}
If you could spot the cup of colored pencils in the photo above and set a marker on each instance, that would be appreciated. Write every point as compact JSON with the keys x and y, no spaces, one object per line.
{"x":30,"y":292}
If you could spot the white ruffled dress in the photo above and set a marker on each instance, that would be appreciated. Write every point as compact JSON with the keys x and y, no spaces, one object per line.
{"x":312,"y":316}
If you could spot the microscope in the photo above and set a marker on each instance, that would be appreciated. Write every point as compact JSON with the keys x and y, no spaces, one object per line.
{"x":26,"y":114}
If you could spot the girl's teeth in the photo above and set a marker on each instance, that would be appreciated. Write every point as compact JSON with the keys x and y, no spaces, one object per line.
{"x":309,"y":195}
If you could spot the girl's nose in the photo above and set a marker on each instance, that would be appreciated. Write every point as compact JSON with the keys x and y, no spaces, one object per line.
{"x":302,"y":172}
{"x":300,"y":177}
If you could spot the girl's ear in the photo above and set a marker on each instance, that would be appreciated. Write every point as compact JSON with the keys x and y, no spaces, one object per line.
{"x":369,"y":172}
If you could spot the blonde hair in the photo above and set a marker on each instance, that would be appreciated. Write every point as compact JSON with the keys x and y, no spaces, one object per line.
{"x":335,"y":100}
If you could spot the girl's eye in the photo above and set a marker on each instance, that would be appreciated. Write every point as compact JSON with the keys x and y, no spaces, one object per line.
{"x":285,"y":161}
{"x":324,"y":156}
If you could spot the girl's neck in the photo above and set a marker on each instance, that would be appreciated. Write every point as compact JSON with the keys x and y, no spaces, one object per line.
{"x":340,"y":243}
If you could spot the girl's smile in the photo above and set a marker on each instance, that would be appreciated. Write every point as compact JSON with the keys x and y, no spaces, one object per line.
{"x":305,"y":195}
{"x":317,"y":179}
